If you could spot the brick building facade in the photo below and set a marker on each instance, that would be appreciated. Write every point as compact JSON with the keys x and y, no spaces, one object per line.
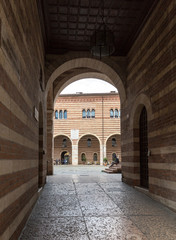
{"x":89,"y":125}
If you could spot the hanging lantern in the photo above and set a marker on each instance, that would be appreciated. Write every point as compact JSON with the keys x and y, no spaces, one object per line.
{"x":102,"y":40}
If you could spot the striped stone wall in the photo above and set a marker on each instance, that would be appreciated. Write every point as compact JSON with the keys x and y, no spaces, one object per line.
{"x":101,"y":127}
{"x":20,"y":62}
{"x":151,"y":82}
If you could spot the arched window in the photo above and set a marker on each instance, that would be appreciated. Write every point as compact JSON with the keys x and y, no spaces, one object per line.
{"x":56,"y":114}
{"x":114,"y":142}
{"x":64,"y":143}
{"x":111,"y":113}
{"x":89,"y":142}
{"x":119,"y":113}
{"x":88,"y":113}
{"x":65,"y":114}
{"x":83,"y":113}
{"x":93,"y":113}
{"x":116,"y":113}
{"x":114,"y":157}
{"x":83,"y":157}
{"x":60,"y":114}
{"x":95,"y":157}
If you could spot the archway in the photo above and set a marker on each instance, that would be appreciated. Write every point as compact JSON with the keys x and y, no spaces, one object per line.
{"x":141,"y":102}
{"x":88,"y":150}
{"x":67,"y":69}
{"x":62,"y":149}
{"x":113,"y":147}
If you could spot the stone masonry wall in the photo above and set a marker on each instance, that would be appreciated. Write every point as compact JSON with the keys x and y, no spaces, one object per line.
{"x":21,"y":66}
{"x":151,"y":82}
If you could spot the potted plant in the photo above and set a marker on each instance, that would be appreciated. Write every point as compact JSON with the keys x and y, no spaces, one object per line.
{"x":105,"y":161}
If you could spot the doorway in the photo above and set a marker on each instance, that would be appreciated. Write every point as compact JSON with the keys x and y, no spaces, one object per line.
{"x":64,"y":158}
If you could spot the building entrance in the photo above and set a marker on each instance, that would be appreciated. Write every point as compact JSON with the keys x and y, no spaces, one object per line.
{"x":64,"y":158}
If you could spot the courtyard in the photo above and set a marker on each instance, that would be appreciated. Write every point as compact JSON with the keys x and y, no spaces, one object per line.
{"x":81,"y":202}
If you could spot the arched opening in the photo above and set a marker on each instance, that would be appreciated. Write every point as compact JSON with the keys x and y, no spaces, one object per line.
{"x":81,"y":67}
{"x":83,"y":158}
{"x":56,"y":114}
{"x":60,"y":114}
{"x":62,"y":150}
{"x":83,"y":113}
{"x":113,"y":147}
{"x":89,"y":145}
{"x":41,"y":179}
{"x":95,"y":157}
{"x":93,"y":113}
{"x":111,"y":113}
{"x":89,"y":142}
{"x":88,"y":113}
{"x":64,"y":157}
{"x":143,"y":136}
{"x":116,"y":113}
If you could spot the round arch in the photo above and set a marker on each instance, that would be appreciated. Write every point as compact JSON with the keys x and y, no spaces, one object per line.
{"x":62,"y":143}
{"x":72,"y":78}
{"x":88,"y":144}
{"x":94,"y":65}
{"x":113,"y":147}
{"x":111,"y":135}
{"x":63,"y":134}
{"x":140,"y":102}
{"x":90,"y":134}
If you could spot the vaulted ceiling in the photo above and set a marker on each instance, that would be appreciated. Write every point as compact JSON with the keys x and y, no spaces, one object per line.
{"x":69,"y":24}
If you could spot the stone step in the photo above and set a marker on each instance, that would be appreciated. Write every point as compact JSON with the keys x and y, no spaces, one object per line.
{"x":113,"y":169}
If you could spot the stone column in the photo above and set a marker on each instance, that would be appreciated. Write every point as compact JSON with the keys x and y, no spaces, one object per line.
{"x":101,"y":154}
{"x":50,"y":142}
{"x":74,"y":153}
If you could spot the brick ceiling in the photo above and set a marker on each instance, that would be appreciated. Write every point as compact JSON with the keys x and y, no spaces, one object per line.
{"x":69,"y":24}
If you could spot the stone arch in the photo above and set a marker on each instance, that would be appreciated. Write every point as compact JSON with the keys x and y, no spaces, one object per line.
{"x":94,"y":65}
{"x":59,"y":148}
{"x":73,"y":78}
{"x":88,"y":150}
{"x":110,"y":149}
{"x":141,"y":101}
{"x":63,"y":134}
{"x":89,"y":134}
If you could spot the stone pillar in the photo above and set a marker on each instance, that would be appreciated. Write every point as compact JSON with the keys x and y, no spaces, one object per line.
{"x":104,"y":151}
{"x":101,"y":154}
{"x":74,"y":153}
{"x":50,"y":142}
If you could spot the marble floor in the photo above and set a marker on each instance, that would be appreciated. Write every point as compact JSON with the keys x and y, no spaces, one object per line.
{"x":81,"y":202}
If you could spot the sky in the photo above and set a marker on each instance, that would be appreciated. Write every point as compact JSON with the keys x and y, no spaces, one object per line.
{"x":89,"y":85}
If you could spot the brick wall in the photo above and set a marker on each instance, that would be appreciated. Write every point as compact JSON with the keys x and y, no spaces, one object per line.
{"x":116,"y":148}
{"x":151,"y":83}
{"x":89,"y":150}
{"x":20,"y":62}
{"x":101,"y":127}
{"x":59,"y":147}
